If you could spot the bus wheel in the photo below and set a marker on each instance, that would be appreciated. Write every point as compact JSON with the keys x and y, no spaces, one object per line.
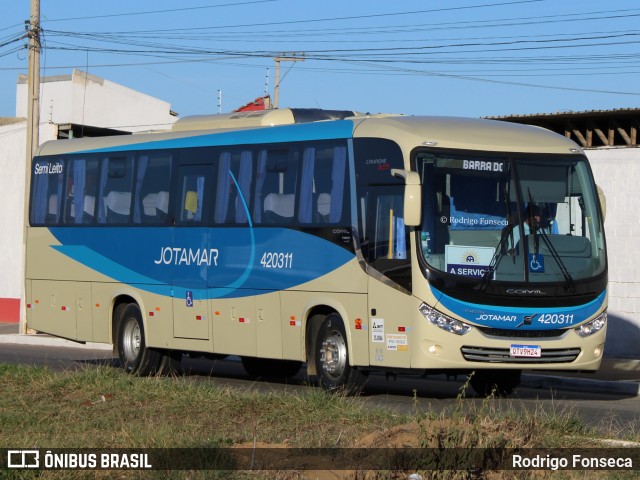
{"x":270,"y":367}
{"x":495,"y":382}
{"x":332,"y":359}
{"x":134,"y":355}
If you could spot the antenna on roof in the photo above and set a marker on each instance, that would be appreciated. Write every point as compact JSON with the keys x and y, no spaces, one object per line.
{"x":219,"y":101}
{"x":266,"y":83}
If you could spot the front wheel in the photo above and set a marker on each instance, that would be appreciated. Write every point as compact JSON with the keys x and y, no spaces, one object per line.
{"x":134,"y":355}
{"x":332,"y":359}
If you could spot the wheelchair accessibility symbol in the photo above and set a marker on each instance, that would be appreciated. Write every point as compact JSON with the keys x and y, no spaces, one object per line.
{"x":189,"y":298}
{"x":536,"y":263}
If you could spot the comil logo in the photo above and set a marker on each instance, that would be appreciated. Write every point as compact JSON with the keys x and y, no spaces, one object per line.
{"x":23,"y":459}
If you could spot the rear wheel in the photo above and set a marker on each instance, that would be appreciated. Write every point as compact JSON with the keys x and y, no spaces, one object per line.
{"x":134,"y":355}
{"x":332,"y":358}
{"x":495,"y":382}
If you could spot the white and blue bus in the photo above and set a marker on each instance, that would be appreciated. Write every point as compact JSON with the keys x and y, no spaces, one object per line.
{"x":347,"y":243}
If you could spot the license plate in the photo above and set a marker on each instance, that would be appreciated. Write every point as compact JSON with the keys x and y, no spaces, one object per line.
{"x":532,"y":351}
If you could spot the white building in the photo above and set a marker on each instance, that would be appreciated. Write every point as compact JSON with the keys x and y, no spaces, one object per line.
{"x":86,"y":100}
{"x":617,"y":171}
{"x":71,"y":105}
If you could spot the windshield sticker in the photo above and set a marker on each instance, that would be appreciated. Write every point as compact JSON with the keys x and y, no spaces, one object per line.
{"x":536,"y":263}
{"x":468,"y":261}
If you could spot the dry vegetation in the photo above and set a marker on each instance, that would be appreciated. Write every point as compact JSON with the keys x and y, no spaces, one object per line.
{"x":102,"y":408}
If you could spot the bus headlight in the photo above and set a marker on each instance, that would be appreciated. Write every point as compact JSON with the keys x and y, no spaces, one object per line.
{"x":444,"y":321}
{"x":593,"y":326}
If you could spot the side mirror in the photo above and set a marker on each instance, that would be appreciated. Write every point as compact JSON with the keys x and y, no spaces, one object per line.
{"x":603,"y":201}
{"x":412,"y":196}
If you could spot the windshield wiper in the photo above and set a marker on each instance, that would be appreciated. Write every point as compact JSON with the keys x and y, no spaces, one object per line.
{"x":497,"y":257}
{"x":569,"y":282}
{"x":507,"y":232}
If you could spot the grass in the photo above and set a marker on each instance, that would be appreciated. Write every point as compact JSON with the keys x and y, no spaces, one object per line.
{"x":102,"y":407}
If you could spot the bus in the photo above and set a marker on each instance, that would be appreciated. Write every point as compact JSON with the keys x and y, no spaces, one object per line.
{"x":346,"y":243}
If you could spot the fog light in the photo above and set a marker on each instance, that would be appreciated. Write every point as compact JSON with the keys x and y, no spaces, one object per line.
{"x":435,"y":349}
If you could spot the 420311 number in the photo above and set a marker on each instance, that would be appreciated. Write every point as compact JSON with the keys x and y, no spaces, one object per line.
{"x":278,"y":260}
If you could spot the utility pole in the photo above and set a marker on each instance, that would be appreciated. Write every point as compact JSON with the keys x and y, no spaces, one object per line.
{"x":33,"y":85}
{"x":33,"y":135}
{"x":284,"y":58}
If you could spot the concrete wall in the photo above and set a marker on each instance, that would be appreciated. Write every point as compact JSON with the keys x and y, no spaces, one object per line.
{"x":617,"y":171}
{"x":13,"y":139}
{"x":65,"y":99}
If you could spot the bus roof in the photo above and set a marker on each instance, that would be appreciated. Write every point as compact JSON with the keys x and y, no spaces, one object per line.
{"x":466,"y":134}
{"x":312,"y":124}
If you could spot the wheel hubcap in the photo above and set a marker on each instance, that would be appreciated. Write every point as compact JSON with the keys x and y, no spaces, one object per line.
{"x":132,"y":340}
{"x":333,"y":355}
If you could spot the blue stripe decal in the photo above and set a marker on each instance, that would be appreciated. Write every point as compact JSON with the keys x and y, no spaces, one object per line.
{"x":287,"y":133}
{"x":210,"y":262}
{"x":520,"y":317}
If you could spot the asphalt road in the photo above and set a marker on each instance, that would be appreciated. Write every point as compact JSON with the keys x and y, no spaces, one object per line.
{"x":615,"y":414}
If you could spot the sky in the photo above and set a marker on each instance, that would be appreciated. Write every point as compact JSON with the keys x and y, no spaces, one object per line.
{"x":439,"y":57}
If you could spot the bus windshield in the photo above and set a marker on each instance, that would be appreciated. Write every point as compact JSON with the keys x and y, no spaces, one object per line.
{"x":514,"y":218}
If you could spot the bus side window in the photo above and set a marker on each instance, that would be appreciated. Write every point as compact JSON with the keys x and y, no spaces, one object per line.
{"x":192,"y":206}
{"x":47,"y":190}
{"x":323,"y":181}
{"x":388,"y":237}
{"x":151,"y":193}
{"x":115,"y":190}
{"x":276,"y":186}
{"x":81,"y":191}
{"x":233,"y":189}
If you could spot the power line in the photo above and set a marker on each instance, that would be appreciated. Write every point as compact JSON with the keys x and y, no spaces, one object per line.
{"x":151,"y":12}
{"x":463,"y":58}
{"x":351,"y":17}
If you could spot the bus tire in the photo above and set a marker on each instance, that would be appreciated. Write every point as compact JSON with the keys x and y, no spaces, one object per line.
{"x":335,"y":374}
{"x":270,"y":367}
{"x":134,"y":355}
{"x":500,"y":383}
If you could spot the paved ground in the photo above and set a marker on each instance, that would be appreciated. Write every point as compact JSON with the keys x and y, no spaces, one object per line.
{"x":616,"y":375}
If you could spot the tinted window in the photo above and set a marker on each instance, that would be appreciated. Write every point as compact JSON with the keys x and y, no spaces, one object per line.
{"x":152,"y":187}
{"x":194,"y":183}
{"x":47,"y":190}
{"x":115,"y":191}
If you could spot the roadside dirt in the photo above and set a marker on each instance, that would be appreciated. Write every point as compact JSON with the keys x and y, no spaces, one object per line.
{"x":440,"y":433}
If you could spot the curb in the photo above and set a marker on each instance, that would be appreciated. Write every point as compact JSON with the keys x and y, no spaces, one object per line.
{"x":49,"y":341}
{"x":615,"y":387}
